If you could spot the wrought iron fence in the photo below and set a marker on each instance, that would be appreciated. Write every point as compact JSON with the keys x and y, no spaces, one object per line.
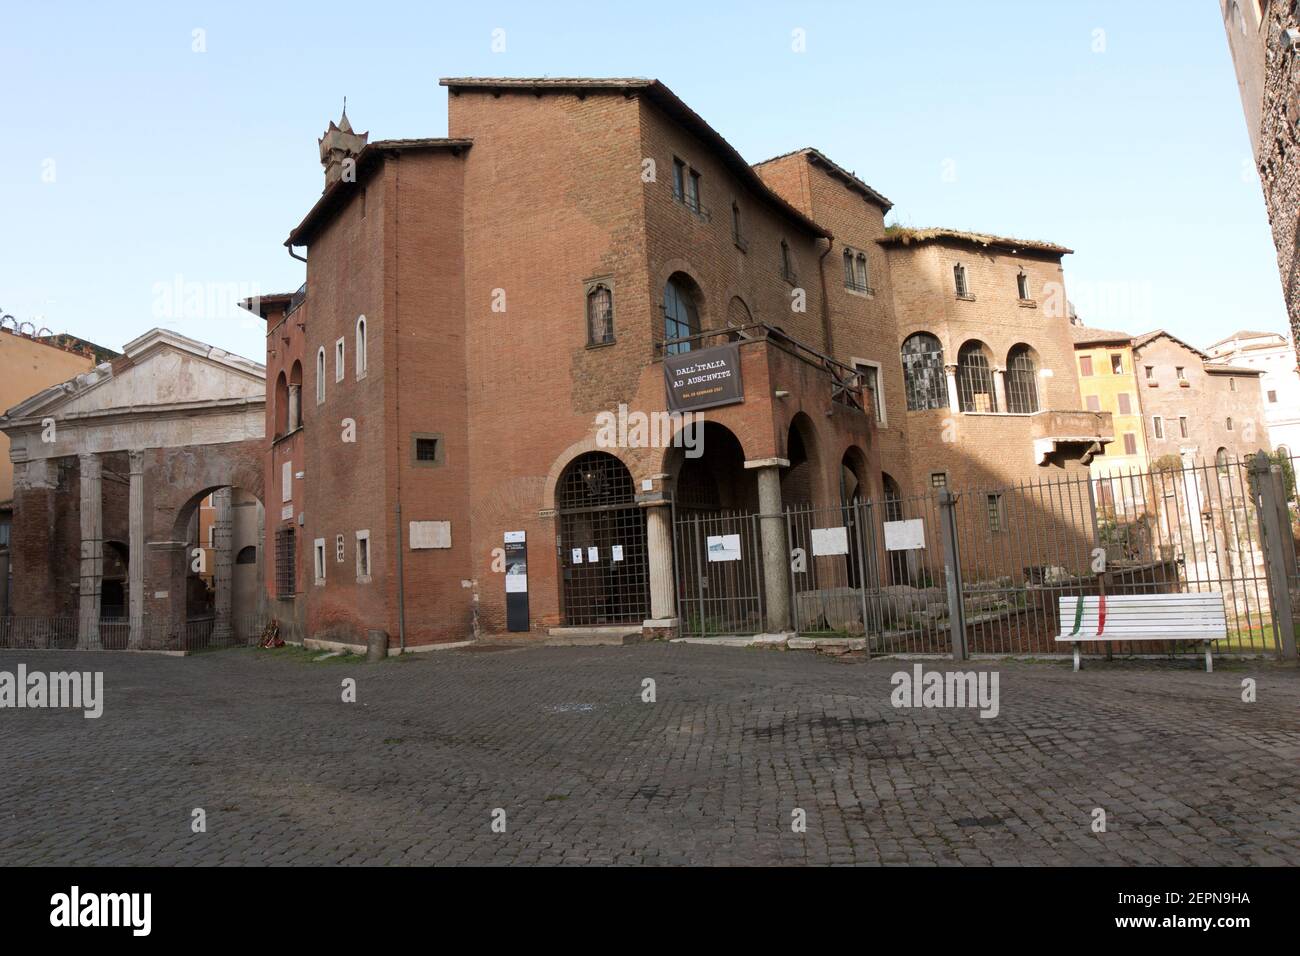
{"x":982,"y":570}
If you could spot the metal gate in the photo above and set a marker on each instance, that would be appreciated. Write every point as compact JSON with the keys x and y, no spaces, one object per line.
{"x":719,"y":573}
{"x":602,"y":542}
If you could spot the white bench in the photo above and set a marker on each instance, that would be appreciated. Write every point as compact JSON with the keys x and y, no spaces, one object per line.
{"x":1097,"y":619}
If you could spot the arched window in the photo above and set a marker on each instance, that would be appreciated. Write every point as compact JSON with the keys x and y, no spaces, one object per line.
{"x":281,"y":404}
{"x":361,"y":346}
{"x":320,"y":375}
{"x":924,"y":379}
{"x":975,"y":391}
{"x":1022,"y":380}
{"x":681,"y":317}
{"x":600,"y":315}
{"x":295,"y":396}
{"x":787,"y":264}
{"x":959,"y":279}
{"x":1221,"y":460}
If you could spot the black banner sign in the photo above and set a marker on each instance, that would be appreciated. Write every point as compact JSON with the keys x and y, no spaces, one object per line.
{"x":704,"y":379}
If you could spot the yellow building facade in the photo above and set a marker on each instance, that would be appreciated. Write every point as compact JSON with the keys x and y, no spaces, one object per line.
{"x":1106,"y":370}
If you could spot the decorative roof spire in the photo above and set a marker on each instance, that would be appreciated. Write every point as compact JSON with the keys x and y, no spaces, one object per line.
{"x":340,"y":144}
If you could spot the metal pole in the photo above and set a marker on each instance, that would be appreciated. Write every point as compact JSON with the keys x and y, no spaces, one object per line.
{"x":952,"y":568}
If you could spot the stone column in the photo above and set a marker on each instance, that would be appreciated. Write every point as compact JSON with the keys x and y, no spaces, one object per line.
{"x":92,"y":552}
{"x":222,"y":564}
{"x":954,"y":400}
{"x":776,"y":555}
{"x":1000,"y":387}
{"x":659,"y":547}
{"x":295,"y":407}
{"x":135,"y":544}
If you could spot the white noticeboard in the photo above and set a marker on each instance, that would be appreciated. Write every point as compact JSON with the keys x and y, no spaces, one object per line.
{"x":616,"y":553}
{"x":577,"y":556}
{"x":724,"y":547}
{"x":908,"y":535}
{"x":830,"y":541}
{"x":593,"y":555}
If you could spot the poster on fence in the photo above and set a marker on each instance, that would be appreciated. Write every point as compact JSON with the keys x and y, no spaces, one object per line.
{"x":908,"y":535}
{"x":830,"y":541}
{"x":724,"y":547}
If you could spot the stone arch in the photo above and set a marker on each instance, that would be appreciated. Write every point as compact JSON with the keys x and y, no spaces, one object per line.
{"x":801,"y":482}
{"x":716,"y":479}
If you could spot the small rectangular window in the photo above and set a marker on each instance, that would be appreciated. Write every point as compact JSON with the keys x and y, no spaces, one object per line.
{"x":1094,"y":403}
{"x":363,"y":556}
{"x":1181,"y":373}
{"x":1272,"y":396}
{"x":870,"y":378}
{"x":1182,"y":426}
{"x":1158,"y":426}
{"x":994,"y":505}
{"x":318,"y":551}
{"x":1085,"y":364}
{"x":1117,"y":364}
{"x":1232,"y":384}
{"x":1125,"y":406}
{"x":679,"y":179}
{"x":1229,"y":423}
{"x":938,"y":479}
{"x":1022,"y":286}
{"x":693,"y":190}
{"x":1151,"y":373}
{"x":959,"y":280}
{"x":1130,"y":443}
{"x":428,"y":449}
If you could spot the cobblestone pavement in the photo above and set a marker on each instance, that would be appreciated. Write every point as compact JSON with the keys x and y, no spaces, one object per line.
{"x":560,"y":739}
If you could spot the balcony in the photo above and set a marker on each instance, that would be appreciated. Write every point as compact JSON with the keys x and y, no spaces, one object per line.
{"x":1075,"y":434}
{"x":843,"y":382}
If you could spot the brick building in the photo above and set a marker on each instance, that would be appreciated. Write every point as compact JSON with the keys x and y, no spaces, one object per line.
{"x":1194,"y":408}
{"x":480,"y":304}
{"x":1264,"y":38}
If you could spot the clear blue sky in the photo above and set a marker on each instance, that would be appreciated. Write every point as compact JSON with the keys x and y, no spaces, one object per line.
{"x":170,"y":165}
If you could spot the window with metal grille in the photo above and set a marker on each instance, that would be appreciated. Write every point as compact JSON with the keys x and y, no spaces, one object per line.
{"x":959,"y":280}
{"x":975,"y":392}
{"x":679,"y":179}
{"x":994,"y":507}
{"x":1182,"y":426}
{"x":1158,"y":424}
{"x":681,"y":318}
{"x":938,"y":479}
{"x":924,"y":378}
{"x":1022,"y":287}
{"x":426,"y":449}
{"x":284,"y":571}
{"x":600,"y":315}
{"x":1022,"y":381}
